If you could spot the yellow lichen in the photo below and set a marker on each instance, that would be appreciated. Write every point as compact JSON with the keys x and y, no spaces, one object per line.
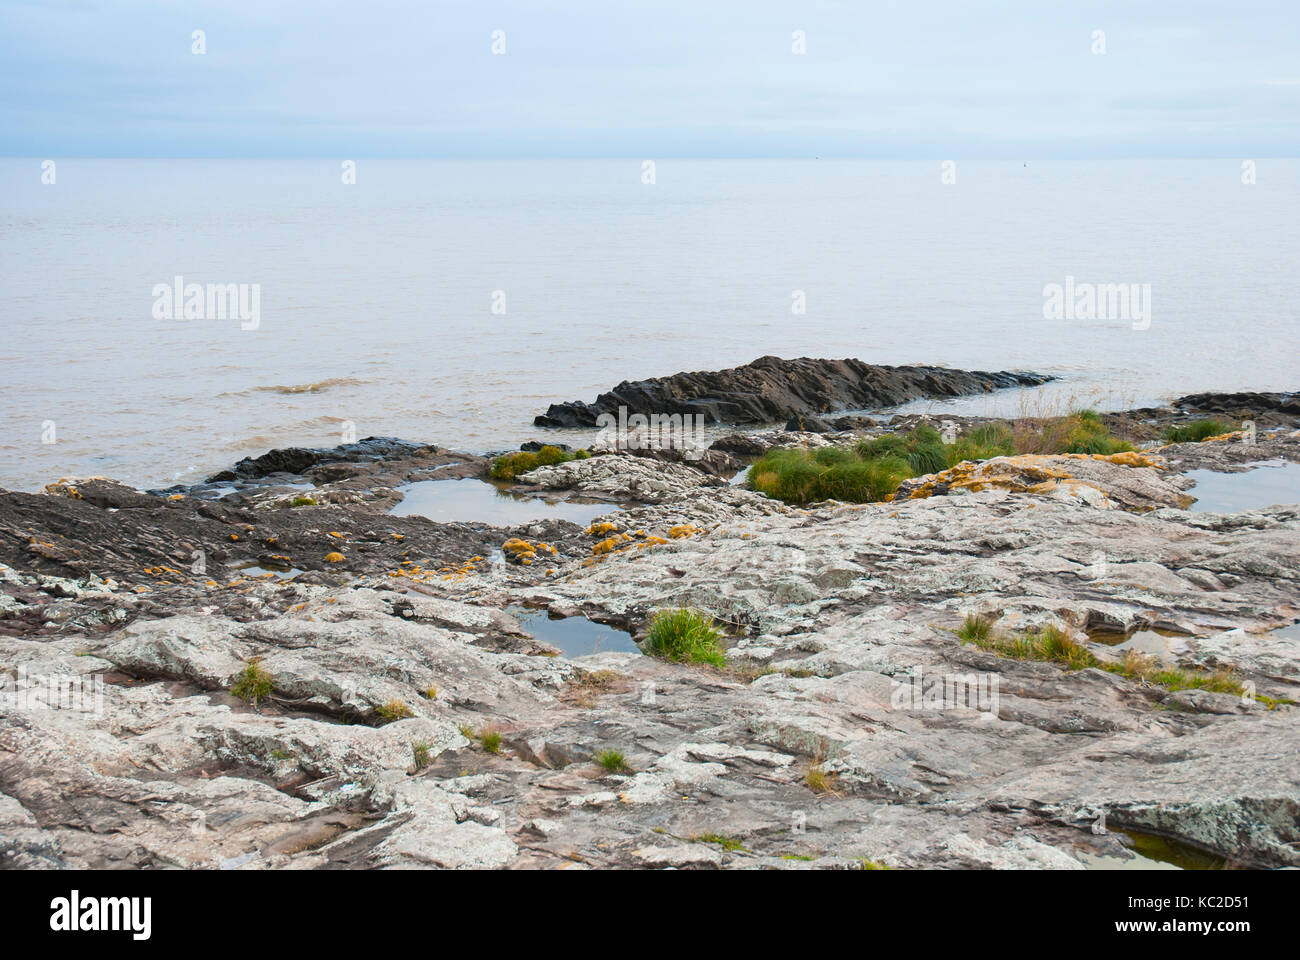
{"x":334,"y":557}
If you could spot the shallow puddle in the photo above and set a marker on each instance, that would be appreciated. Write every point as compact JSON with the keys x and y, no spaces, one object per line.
{"x":1153,"y":853}
{"x":478,"y":501}
{"x":1267,"y":483}
{"x":575,"y":636}
{"x":1163,"y":644}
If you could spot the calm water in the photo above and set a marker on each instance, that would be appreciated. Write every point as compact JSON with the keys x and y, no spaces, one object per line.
{"x":477,"y":501}
{"x":376,"y":298}
{"x":1269,"y":482}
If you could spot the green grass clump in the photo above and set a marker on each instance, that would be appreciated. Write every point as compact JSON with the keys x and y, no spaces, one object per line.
{"x":1139,"y":666}
{"x":1049,"y":643}
{"x":490,"y":740}
{"x":511,"y":465}
{"x":868,"y":864}
{"x":872,"y":469}
{"x":984,"y":442}
{"x":685,"y":636}
{"x":1085,"y":433}
{"x":393,"y":710}
{"x":253,"y":683}
{"x":975,"y":630}
{"x":831,"y":473}
{"x":1196,"y":432}
{"x":613,"y":761}
{"x":1081,"y":431}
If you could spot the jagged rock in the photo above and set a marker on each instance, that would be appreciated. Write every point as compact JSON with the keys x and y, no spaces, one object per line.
{"x":836,"y":618}
{"x":619,"y":477}
{"x":771,"y":389}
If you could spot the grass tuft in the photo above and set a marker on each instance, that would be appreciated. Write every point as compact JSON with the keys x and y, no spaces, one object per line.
{"x":423,"y":753}
{"x":613,"y":761}
{"x":819,"y":780}
{"x":511,"y":465}
{"x":253,"y":683}
{"x":685,"y":636}
{"x":393,"y":710}
{"x":1196,"y":431}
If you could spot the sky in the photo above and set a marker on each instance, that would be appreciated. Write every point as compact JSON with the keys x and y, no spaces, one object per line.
{"x":680,"y":78}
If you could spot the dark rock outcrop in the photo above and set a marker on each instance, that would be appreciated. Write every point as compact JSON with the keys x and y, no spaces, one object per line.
{"x":772,"y":389}
{"x":1240,"y":404}
{"x":296,"y":460}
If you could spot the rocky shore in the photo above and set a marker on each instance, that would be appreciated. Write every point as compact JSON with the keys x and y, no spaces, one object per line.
{"x":411,"y":719}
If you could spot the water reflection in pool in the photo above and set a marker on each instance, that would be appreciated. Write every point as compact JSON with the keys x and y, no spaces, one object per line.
{"x":1267,"y":483}
{"x":478,"y":501}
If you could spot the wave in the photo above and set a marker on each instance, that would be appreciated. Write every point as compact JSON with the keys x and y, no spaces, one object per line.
{"x":316,"y":387}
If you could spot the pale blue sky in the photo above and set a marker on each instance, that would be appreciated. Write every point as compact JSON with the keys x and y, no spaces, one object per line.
{"x":603,"y":78}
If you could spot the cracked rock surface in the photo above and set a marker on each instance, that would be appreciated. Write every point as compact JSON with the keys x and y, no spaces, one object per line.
{"x":411,"y":720}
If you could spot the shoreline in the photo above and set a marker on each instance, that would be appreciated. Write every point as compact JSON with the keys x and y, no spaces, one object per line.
{"x":410,"y":720}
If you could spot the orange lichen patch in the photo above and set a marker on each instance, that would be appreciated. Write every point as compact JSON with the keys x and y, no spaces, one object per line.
{"x":683,"y":530}
{"x":1026,"y":473}
{"x":336,"y":535}
{"x":334,"y":557}
{"x":600,"y":529}
{"x":177,"y":496}
{"x":234,"y":536}
{"x":610,"y":545}
{"x":517,"y":549}
{"x":161,"y":571}
{"x":1126,"y":458}
{"x":399,"y":536}
{"x":280,"y":556}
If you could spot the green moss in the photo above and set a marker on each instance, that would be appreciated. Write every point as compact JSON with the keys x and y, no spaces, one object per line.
{"x":685,"y":636}
{"x":727,"y":843}
{"x":302,"y":502}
